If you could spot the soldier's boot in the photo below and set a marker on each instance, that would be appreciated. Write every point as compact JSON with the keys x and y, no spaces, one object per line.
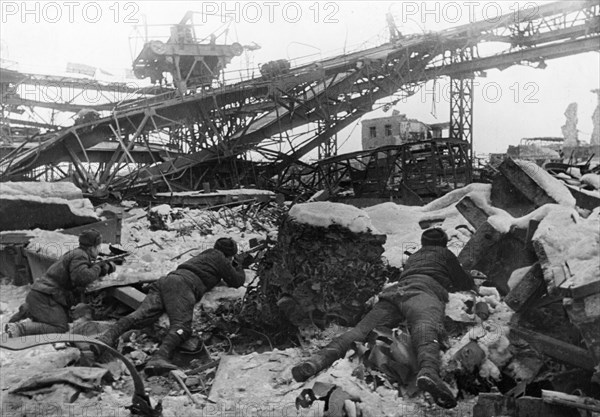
{"x":160,"y":362}
{"x":22,"y":314}
{"x":13,"y":330}
{"x":315,"y":364}
{"x":429,"y":380}
{"x":111,"y":336}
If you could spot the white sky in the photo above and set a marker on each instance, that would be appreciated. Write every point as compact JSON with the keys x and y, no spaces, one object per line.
{"x":509,"y":105}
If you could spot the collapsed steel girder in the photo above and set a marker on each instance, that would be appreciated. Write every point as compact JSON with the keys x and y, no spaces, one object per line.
{"x":214,"y":126}
{"x":427,"y":168}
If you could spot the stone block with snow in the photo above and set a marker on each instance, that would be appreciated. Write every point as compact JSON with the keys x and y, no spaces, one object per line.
{"x":46,"y":206}
{"x":524,"y":186}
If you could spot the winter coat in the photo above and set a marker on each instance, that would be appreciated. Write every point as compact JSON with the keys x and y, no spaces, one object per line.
{"x":204,"y":271}
{"x":68,"y":276}
{"x":437,"y":268}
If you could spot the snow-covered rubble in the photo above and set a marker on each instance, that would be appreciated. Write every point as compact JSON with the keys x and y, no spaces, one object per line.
{"x":401,"y":223}
{"x":325,"y":214}
{"x":564,"y":236}
{"x":158,"y":252}
{"x":490,"y":335}
{"x":44,"y":190}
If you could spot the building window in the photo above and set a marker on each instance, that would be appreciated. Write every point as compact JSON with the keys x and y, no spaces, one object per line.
{"x":388,"y":130}
{"x":373,"y":132}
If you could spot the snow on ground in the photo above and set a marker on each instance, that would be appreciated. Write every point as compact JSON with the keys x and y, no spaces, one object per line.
{"x":264,"y":382}
{"x":325,"y":214}
{"x":401,"y":223}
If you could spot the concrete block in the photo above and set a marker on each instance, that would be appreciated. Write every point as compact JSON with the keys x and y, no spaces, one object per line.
{"x":529,"y":289}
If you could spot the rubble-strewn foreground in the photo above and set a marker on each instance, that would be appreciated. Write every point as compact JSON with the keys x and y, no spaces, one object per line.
{"x":529,"y":336}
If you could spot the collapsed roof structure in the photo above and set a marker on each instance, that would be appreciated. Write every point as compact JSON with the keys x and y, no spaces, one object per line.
{"x":176,"y":138}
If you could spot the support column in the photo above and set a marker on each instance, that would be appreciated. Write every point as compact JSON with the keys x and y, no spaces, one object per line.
{"x":329,"y":147}
{"x":461,"y":110}
{"x":461,"y":101}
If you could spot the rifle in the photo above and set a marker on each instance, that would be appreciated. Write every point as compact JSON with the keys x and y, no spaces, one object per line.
{"x":117,"y":256}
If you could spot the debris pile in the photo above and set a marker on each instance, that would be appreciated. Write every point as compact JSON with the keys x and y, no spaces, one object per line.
{"x":528,"y":340}
{"x":248,"y":218}
{"x":543,"y":261}
{"x":583,"y":182}
{"x":325,"y":266}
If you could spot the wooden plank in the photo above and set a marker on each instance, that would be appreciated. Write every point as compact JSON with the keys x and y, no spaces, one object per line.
{"x":574,"y":401}
{"x":128,"y":296}
{"x":123,"y":279}
{"x":557,"y":349}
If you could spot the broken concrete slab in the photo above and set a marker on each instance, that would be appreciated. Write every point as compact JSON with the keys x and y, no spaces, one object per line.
{"x":471,"y":210}
{"x":507,"y":197}
{"x":496,"y":254}
{"x":530,"y":288}
{"x":27,"y":212}
{"x":535,"y":184}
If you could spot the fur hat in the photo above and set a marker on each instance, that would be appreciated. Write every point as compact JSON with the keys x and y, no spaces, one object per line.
{"x":89,"y":238}
{"x":227,"y":246}
{"x":434,"y":237}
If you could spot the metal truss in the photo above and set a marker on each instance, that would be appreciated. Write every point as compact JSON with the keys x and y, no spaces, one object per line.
{"x":254,"y":131}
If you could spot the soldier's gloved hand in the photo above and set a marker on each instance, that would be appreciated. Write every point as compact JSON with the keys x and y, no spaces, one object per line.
{"x":107,"y":268}
{"x":112,"y":267}
{"x":103,"y":268}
